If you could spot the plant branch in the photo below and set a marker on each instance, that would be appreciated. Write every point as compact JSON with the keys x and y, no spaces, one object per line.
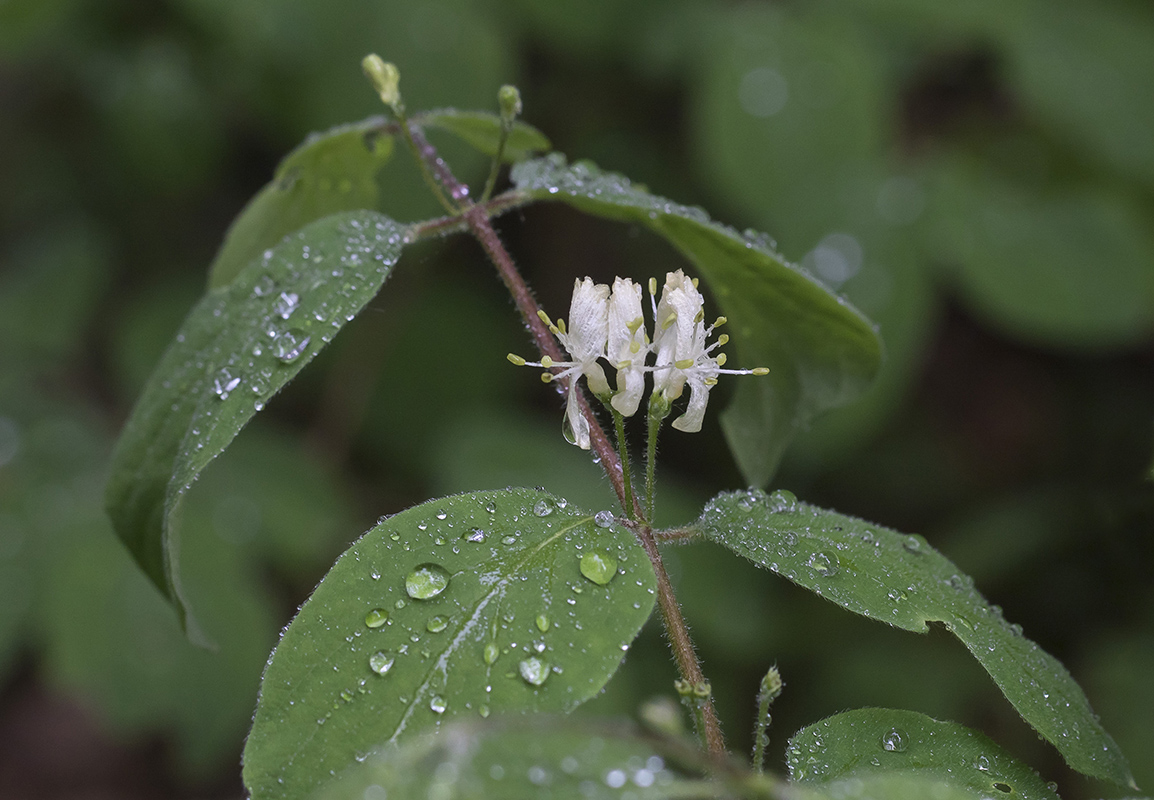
{"x":479,"y":224}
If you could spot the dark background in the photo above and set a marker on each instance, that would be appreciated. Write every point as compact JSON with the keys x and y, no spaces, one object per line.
{"x":977,"y":176}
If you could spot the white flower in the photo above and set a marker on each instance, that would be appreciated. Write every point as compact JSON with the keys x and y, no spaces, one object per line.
{"x":585,"y":339}
{"x":628,"y":345}
{"x":679,"y":337}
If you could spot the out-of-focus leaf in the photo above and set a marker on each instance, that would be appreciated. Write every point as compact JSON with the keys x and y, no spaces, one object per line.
{"x":482,"y":130}
{"x":1086,"y":75}
{"x":236,"y":349}
{"x":520,"y":760}
{"x":506,"y":601}
{"x":869,"y":742}
{"x":820,"y":350}
{"x":1066,"y":266}
{"x":901,"y":580}
{"x":330,"y":172}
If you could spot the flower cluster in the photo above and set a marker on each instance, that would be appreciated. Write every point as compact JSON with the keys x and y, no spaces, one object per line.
{"x":608,"y":325}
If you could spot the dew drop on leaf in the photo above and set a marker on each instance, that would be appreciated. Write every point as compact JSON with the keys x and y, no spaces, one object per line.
{"x":426,"y":581}
{"x":289,"y":346}
{"x":599,"y":568}
{"x":286,"y":304}
{"x":543,"y":508}
{"x":895,"y":740}
{"x":603,"y":519}
{"x":543,"y":623}
{"x":381,"y":663}
{"x":823,"y":563}
{"x":534,"y":671}
{"x":437,"y":624}
{"x":491,"y":653}
{"x":438,"y":704}
{"x":376,"y":618}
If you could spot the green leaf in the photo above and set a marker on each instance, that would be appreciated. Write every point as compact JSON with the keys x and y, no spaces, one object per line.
{"x":330,"y":172}
{"x":1063,"y":265}
{"x":482,"y":130}
{"x":238,"y":346}
{"x":457,"y":607}
{"x":518,"y":759}
{"x":889,"y":786}
{"x":900,"y":580}
{"x":867,"y":742}
{"x":821,"y":351}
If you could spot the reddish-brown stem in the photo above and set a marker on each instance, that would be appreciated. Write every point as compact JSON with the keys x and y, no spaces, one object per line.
{"x":479,"y":224}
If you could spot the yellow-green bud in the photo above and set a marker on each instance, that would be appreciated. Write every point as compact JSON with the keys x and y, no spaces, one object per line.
{"x":385,"y":77}
{"x":510,"y":101}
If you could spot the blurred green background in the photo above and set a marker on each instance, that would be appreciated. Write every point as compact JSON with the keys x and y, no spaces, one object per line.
{"x":977,"y":176}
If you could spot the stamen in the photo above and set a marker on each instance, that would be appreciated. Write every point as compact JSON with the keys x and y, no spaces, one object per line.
{"x":635,"y":347}
{"x":546,"y":362}
{"x":723,"y":339}
{"x":700,"y":315}
{"x":546,"y":377}
{"x":694,"y":281}
{"x":684,"y":363}
{"x":711,"y":381}
{"x":516,"y":359}
{"x":759,"y":371}
{"x":721,"y":359}
{"x":544,"y":317}
{"x":561,"y":326}
{"x":669,"y":321}
{"x":719,"y":322}
{"x":634,"y":325}
{"x":653,"y":285}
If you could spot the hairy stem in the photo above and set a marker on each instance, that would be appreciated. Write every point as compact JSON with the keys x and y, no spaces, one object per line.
{"x":623,"y":450}
{"x":479,"y":224}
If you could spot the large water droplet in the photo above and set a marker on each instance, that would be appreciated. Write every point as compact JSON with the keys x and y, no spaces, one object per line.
{"x":543,"y":508}
{"x":437,"y":624}
{"x":286,"y":304}
{"x":598,"y":567}
{"x":492,"y":653}
{"x":438,"y":704}
{"x":982,"y":763}
{"x":289,"y":346}
{"x":475,"y":535}
{"x":543,"y":622}
{"x":823,"y":563}
{"x":603,"y":519}
{"x":895,"y":740}
{"x":491,"y":507}
{"x":534,"y":671}
{"x":376,"y":618}
{"x":426,"y":581}
{"x":381,"y":663}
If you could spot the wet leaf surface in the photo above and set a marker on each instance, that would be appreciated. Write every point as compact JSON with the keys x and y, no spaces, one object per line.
{"x":900,"y":580}
{"x":460,"y":607}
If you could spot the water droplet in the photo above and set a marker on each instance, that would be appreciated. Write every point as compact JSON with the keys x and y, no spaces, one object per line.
{"x":224,"y":383}
{"x":381,"y":663}
{"x":603,"y":519}
{"x":598,"y":567}
{"x":475,"y":535}
{"x":264,"y":285}
{"x":543,"y":508}
{"x":289,"y":345}
{"x":543,"y":623}
{"x":286,"y":304}
{"x":484,"y":712}
{"x":895,"y":740}
{"x":426,"y":581}
{"x":440,"y":540}
{"x":823,"y":563}
{"x":982,"y":763}
{"x":781,"y":501}
{"x":375,"y":575}
{"x":437,"y":624}
{"x":438,"y":704}
{"x":376,"y":618}
{"x":912,"y":545}
{"x":509,"y":540}
{"x":491,"y":653}
{"x":491,"y":507}
{"x":534,"y":671}
{"x":441,"y":515}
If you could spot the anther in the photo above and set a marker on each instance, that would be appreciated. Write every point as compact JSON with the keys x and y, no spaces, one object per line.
{"x":516,"y":359}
